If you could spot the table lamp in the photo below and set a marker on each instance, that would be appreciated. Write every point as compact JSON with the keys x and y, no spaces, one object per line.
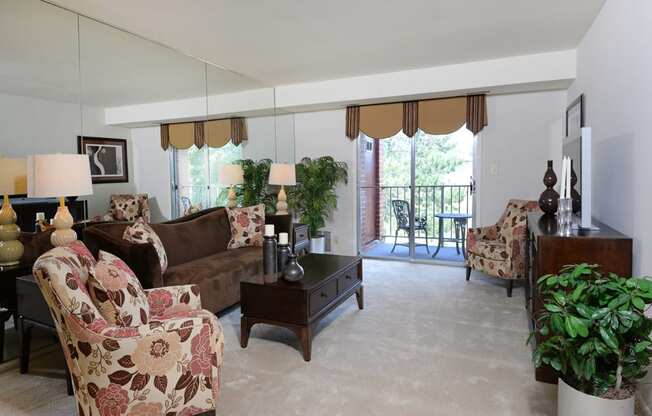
{"x":282,"y":174}
{"x":13,"y":181}
{"x":231,"y":175}
{"x":59,"y":175}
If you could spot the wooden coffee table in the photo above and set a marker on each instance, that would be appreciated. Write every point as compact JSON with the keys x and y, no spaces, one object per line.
{"x":328,"y":281}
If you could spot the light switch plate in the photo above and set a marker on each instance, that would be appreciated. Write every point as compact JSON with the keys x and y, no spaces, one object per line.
{"x":493,"y":169}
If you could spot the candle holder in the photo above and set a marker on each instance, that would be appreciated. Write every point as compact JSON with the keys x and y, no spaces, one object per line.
{"x":565,"y":216}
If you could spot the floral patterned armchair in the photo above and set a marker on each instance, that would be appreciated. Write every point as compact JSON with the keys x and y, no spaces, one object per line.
{"x":499,"y":250}
{"x":170,"y":366}
{"x":127,"y":207}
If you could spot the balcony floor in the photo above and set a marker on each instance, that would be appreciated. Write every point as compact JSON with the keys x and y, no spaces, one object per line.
{"x":382,"y":249}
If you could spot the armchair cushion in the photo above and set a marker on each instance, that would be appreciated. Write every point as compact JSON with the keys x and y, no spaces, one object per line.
{"x":490,"y":249}
{"x":166,"y":301}
{"x":117,"y":292}
{"x":141,"y":233}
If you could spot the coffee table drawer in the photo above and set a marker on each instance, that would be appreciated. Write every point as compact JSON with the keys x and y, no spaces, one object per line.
{"x":323,"y":296}
{"x":348,"y":279}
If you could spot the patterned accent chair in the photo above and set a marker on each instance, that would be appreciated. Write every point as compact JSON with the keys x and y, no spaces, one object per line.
{"x":127,"y":207}
{"x":499,"y":250}
{"x":170,"y":366}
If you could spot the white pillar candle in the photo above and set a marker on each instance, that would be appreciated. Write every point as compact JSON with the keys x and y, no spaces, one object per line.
{"x":269,"y":230}
{"x":283,"y":238}
{"x":568,"y":177}
{"x":562,"y":178}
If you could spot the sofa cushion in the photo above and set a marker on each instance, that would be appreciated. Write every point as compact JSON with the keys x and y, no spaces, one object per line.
{"x":219,"y":275}
{"x":190,"y":239}
{"x":141,"y":233}
{"x":246,"y":226}
{"x":117,"y":293}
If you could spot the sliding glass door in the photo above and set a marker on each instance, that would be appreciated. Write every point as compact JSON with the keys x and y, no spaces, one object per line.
{"x":415,"y":196}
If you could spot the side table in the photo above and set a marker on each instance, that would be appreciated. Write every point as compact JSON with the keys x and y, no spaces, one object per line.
{"x":32,"y":310}
{"x":8,"y":275}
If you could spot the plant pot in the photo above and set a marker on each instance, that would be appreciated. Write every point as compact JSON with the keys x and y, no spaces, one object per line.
{"x":318,"y":245}
{"x":571,"y":402}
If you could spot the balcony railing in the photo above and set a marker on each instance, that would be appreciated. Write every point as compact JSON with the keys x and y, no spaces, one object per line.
{"x":429,"y":200}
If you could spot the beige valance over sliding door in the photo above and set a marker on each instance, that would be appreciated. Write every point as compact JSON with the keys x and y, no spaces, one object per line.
{"x":438,"y":116}
{"x":214,"y":133}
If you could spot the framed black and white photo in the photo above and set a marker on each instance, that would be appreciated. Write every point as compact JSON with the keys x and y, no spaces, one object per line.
{"x":575,"y":118}
{"x":107,"y":158}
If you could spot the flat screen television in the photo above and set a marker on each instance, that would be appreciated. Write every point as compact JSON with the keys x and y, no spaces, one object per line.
{"x":579,"y":150}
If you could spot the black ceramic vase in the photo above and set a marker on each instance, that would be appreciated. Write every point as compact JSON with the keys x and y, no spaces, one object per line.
{"x":549,"y":199}
{"x":575,"y":196}
{"x":293,"y":270}
{"x":270,"y":264}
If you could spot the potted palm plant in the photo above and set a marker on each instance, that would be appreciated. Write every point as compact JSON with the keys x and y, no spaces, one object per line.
{"x":594,"y":333}
{"x":314,"y":198}
{"x":254,"y":189}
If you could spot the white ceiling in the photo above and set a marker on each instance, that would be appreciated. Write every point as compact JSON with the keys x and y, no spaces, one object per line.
{"x":283,"y":41}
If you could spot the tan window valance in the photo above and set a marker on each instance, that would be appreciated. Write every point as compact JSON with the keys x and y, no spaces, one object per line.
{"x":382,"y":120}
{"x":214,"y":133}
{"x":437,"y":116}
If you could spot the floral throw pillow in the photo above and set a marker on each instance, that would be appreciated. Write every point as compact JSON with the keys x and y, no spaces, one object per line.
{"x":141,"y":233}
{"x":117,"y":293}
{"x":246,"y":226}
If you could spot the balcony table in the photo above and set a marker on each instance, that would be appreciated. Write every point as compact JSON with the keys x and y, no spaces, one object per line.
{"x":460,"y":221}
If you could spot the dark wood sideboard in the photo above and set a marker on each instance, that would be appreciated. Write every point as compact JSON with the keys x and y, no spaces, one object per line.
{"x":548,"y":252}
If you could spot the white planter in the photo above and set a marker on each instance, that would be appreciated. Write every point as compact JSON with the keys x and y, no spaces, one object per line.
{"x":318,"y":245}
{"x":571,"y":402}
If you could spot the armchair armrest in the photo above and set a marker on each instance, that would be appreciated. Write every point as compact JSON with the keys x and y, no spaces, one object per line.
{"x":169,"y":300}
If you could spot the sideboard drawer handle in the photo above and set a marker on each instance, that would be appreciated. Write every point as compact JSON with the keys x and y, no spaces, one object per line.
{"x":348,"y":277}
{"x":323,"y":295}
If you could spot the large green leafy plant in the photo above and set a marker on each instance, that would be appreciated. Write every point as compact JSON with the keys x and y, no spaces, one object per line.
{"x":593,"y":330}
{"x":255,"y":190}
{"x":314,"y":197}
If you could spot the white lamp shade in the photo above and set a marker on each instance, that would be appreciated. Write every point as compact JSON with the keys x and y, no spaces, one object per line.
{"x":231,"y":175}
{"x":58,"y":175}
{"x":282,"y":174}
{"x":13,"y":176}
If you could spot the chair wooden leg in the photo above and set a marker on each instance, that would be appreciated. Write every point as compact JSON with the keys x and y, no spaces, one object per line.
{"x":468,"y":273}
{"x":510,"y":286}
{"x":395,"y":239}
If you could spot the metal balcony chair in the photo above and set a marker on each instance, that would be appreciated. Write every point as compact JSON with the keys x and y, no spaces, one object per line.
{"x":402,"y":213}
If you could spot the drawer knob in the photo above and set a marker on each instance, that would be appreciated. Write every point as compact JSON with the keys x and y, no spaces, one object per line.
{"x":323,"y":295}
{"x":348,"y":277}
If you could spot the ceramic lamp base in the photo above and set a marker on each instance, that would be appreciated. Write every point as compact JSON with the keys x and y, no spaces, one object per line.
{"x":64,"y":234}
{"x":11,"y":250}
{"x":282,"y":202}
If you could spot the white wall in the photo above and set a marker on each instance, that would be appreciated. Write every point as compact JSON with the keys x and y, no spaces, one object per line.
{"x":34,"y":126}
{"x":614,"y":65}
{"x":524,"y":131}
{"x":152,"y":174}
{"x":319,"y":134}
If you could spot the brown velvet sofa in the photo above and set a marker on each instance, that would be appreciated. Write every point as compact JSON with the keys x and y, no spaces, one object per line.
{"x":196,"y":249}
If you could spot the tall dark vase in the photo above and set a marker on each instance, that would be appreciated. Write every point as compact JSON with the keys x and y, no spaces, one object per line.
{"x":575,"y":196}
{"x":549,"y":199}
{"x":270,"y":264}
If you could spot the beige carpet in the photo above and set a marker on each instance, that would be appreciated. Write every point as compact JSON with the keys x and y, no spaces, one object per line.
{"x":427,"y":343}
